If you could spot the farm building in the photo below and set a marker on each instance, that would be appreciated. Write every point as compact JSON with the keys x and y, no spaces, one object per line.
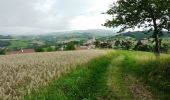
{"x":22,"y":51}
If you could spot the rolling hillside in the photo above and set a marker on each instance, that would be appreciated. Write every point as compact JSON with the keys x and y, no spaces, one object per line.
{"x":138,"y":35}
{"x":78,"y":35}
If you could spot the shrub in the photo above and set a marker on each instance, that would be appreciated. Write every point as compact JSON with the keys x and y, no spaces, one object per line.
{"x":70,"y":46}
{"x":2,"y":51}
{"x":39,"y":49}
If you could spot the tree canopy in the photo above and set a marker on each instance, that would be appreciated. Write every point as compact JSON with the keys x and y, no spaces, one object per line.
{"x":152,"y":14}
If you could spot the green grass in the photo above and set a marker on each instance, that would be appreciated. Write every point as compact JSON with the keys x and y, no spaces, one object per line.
{"x":19,"y":44}
{"x":116,"y":79}
{"x":166,"y":40}
{"x":152,"y":72}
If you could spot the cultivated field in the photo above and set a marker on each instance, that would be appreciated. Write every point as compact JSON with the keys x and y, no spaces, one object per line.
{"x":21,"y":74}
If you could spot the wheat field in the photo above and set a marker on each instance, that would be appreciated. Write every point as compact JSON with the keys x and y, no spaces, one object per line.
{"x":21,"y":74}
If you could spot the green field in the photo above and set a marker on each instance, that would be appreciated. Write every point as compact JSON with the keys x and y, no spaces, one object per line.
{"x":18,"y":44}
{"x":119,"y":75}
{"x":166,"y":40}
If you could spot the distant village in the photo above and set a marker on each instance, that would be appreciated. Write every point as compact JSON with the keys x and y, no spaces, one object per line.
{"x":127,"y":43}
{"x":90,"y":44}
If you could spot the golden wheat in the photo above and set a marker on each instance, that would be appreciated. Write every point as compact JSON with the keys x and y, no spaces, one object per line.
{"x":21,"y":74}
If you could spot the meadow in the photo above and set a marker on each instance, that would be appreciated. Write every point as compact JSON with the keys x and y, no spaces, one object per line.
{"x":86,"y":75}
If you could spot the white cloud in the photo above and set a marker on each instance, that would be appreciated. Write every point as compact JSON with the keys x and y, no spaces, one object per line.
{"x":88,"y":22}
{"x":92,"y":18}
{"x":51,"y":15}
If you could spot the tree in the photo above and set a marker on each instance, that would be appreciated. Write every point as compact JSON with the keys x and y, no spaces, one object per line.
{"x":49,"y":49}
{"x":117,"y":43}
{"x":97,"y":43}
{"x":39,"y":49}
{"x":142,"y":46}
{"x":2,"y":51}
{"x":127,"y":45}
{"x":105,"y":45}
{"x":70,"y":46}
{"x":150,"y":14}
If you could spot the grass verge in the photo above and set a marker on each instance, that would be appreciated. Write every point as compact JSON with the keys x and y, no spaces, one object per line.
{"x":116,"y":79}
{"x":153,"y":73}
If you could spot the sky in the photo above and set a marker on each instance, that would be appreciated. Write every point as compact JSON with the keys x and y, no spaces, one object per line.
{"x":36,"y":16}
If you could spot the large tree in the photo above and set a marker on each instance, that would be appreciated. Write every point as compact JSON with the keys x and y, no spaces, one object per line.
{"x":153,"y":15}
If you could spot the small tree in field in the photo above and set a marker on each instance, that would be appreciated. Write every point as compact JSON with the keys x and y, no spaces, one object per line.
{"x":152,"y":14}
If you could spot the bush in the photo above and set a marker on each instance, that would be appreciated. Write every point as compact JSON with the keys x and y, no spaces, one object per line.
{"x":105,"y":45}
{"x":70,"y":46}
{"x":164,"y":48}
{"x":143,"y":47}
{"x":49,"y":49}
{"x":127,"y":45}
{"x":4,"y":43}
{"x":39,"y":49}
{"x":2,"y":51}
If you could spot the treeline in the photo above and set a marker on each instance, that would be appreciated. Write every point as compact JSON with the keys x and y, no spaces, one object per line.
{"x":4,"y":43}
{"x":6,"y":37}
{"x":140,"y":45}
{"x":58,"y":47}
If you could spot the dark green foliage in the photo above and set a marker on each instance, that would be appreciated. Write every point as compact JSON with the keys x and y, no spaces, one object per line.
{"x":45,"y":48}
{"x":2,"y":51}
{"x":137,"y":45}
{"x":105,"y":45}
{"x":152,"y":14}
{"x":117,"y":43}
{"x":4,"y":43}
{"x":97,"y":43}
{"x":132,"y":13}
{"x":49,"y":49}
{"x":165,"y":48}
{"x":57,"y":48}
{"x":127,"y":45}
{"x":70,"y":46}
{"x":39,"y":49}
{"x":143,"y":47}
{"x":124,"y":44}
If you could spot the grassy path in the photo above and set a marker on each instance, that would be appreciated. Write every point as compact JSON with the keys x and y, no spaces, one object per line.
{"x":116,"y":79}
{"x":124,"y":85}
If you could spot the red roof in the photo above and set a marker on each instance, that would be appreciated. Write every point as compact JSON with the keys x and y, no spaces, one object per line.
{"x":21,"y":51}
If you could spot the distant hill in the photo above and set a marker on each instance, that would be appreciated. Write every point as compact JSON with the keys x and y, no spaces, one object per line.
{"x":6,"y":37}
{"x":95,"y":32}
{"x":138,"y":35}
{"x":77,"y":35}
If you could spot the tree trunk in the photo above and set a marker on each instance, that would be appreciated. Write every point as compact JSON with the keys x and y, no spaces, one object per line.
{"x":157,"y":45}
{"x":156,"y":33}
{"x":156,"y":36}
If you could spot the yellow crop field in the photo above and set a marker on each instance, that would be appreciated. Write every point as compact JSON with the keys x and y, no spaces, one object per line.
{"x":21,"y":74}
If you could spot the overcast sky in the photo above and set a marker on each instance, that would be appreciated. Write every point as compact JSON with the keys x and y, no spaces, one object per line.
{"x":30,"y":16}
